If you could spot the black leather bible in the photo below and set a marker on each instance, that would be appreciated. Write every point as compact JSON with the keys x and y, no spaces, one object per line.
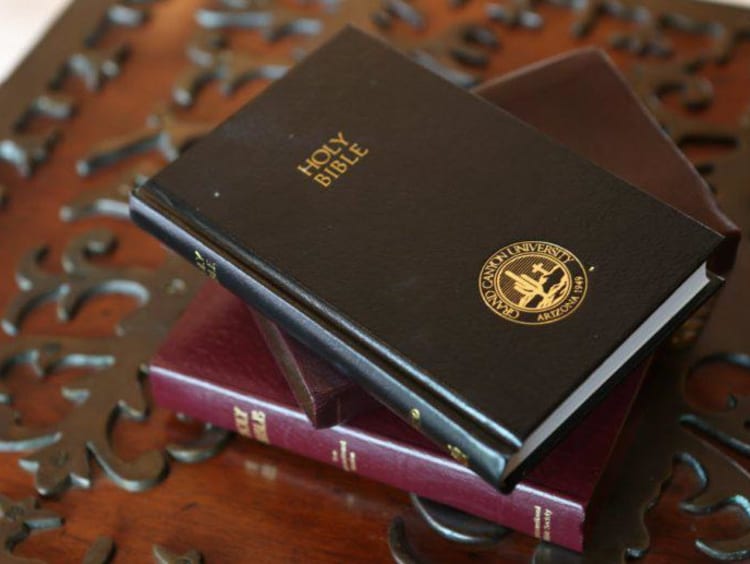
{"x":481,"y":280}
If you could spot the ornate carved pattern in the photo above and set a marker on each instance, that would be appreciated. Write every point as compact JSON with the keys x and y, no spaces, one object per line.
{"x":79,"y":281}
{"x":213,"y":61}
{"x":457,"y":526}
{"x":649,"y":464}
{"x":17,"y":521}
{"x":101,"y":551}
{"x":111,"y":368}
{"x":109,"y":389}
{"x":653,"y":19}
{"x":110,"y":200}
{"x":51,"y":105}
{"x":209,"y":443}
{"x":95,"y":66}
{"x":165,"y":556}
{"x":516,"y":13}
{"x":398,"y":542}
{"x":273,"y":22}
{"x":447,"y":54}
{"x":126,"y":13}
{"x":399,"y":10}
{"x":112,"y":386}
{"x":26,"y":151}
{"x":456,"y":53}
{"x":165,"y":132}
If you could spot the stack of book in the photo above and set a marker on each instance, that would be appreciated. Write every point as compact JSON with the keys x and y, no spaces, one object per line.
{"x":453,"y":293}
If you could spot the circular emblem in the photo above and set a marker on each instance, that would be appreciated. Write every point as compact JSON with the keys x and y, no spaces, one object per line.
{"x":533,"y":282}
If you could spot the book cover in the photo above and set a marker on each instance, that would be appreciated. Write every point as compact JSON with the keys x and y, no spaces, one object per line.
{"x":216,"y":367}
{"x":476,"y":277}
{"x":325,"y":395}
{"x":581,"y":100}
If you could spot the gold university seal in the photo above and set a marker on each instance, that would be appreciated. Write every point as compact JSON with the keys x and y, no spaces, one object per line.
{"x":533,"y":282}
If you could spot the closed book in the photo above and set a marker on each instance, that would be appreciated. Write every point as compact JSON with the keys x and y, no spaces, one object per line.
{"x":216,"y":367}
{"x":476,"y":277}
{"x":325,"y":395}
{"x":581,"y":100}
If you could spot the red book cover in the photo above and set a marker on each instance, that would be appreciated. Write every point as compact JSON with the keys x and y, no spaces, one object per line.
{"x":216,"y":366}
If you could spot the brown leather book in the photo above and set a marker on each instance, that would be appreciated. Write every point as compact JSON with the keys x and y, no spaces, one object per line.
{"x":326,"y":396}
{"x":581,"y":100}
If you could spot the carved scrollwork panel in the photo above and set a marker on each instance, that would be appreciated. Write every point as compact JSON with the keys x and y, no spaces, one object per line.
{"x":237,"y":41}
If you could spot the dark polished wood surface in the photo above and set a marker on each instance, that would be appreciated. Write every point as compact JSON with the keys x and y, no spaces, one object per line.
{"x":250,"y":502}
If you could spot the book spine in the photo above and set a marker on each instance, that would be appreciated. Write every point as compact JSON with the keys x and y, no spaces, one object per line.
{"x":463,"y":439}
{"x":529,"y":510}
{"x":307,"y":377}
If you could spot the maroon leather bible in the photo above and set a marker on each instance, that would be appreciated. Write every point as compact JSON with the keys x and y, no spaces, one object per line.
{"x":582,"y":101}
{"x":327,"y":397}
{"x":215,"y":366}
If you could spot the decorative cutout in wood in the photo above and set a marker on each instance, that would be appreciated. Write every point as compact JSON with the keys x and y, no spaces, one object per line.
{"x":165,"y":556}
{"x":165,"y":132}
{"x":111,"y":386}
{"x":212,"y":61}
{"x":85,"y":24}
{"x":109,"y":370}
{"x":17,"y":521}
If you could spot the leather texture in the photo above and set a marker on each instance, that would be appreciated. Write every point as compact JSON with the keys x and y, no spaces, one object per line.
{"x":440,"y":420}
{"x":581,"y":100}
{"x":379,"y":272}
{"x":215,"y":359}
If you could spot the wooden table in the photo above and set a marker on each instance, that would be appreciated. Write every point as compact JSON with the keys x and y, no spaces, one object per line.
{"x":87,"y":297}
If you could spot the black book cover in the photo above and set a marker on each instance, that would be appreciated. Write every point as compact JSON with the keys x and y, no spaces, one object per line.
{"x":481,"y":280}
